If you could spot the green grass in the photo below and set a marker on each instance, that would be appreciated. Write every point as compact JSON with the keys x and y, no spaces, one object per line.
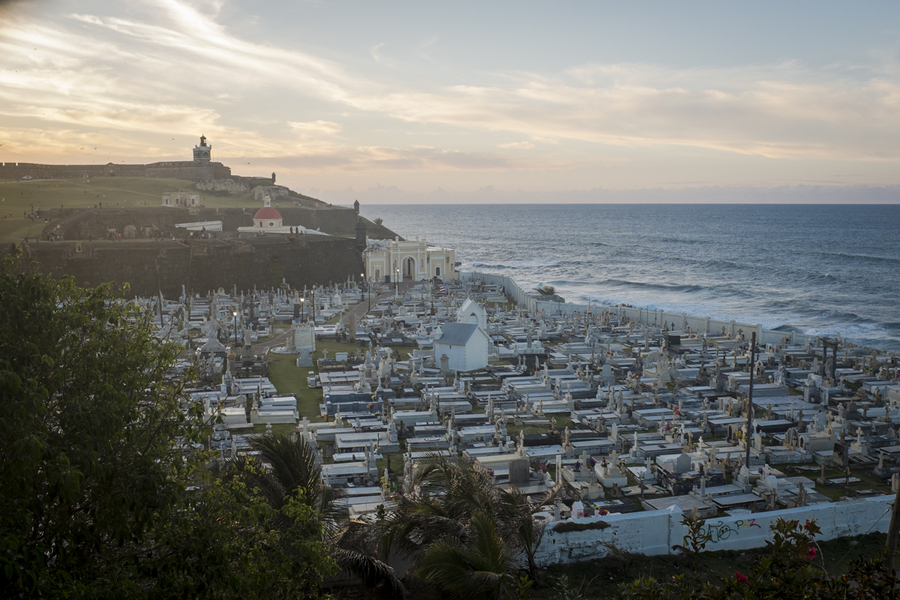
{"x":288,"y":378}
{"x":114,"y":192}
{"x":836,"y":492}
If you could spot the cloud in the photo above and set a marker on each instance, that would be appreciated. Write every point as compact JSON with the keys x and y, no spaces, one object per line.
{"x":169,"y":66}
{"x":520,"y":145}
{"x":315,"y":127}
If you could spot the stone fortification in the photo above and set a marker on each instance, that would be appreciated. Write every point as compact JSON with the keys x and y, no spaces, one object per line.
{"x":200,"y":265}
{"x":238,"y":185}
{"x":172,"y":169}
{"x":98,"y":223}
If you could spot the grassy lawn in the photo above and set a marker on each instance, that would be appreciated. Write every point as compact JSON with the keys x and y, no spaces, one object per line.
{"x":836,"y":492}
{"x":16,"y":197}
{"x":288,"y":378}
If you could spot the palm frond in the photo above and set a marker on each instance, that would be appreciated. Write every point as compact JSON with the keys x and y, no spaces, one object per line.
{"x":371,"y":571}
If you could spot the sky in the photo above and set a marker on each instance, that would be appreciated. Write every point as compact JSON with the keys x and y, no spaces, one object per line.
{"x":520,"y":101}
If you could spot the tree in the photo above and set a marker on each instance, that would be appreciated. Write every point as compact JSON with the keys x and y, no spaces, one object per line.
{"x":294,"y":472}
{"x":89,"y":442}
{"x":231,"y":543}
{"x":792,"y":568}
{"x":459,"y":526}
{"x":103,"y":491}
{"x":477,"y":567}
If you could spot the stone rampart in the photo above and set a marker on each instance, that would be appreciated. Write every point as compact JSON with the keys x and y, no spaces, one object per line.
{"x":170,"y":169}
{"x":200,"y":265}
{"x":150,"y":222}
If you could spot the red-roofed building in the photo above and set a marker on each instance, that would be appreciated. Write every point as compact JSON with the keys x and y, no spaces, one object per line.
{"x":267,"y":217}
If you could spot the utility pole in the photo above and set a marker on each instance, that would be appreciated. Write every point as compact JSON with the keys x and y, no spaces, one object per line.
{"x":750,"y":396}
{"x":893,"y":529}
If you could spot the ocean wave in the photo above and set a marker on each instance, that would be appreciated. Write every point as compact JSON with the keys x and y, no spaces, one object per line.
{"x":641,"y":285}
{"x":864,"y":257}
{"x":516,"y":264}
{"x":685,"y":241}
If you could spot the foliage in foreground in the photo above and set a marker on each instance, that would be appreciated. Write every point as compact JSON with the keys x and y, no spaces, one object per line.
{"x":293,"y":473}
{"x":462,"y":532}
{"x":792,"y":568}
{"x":99,"y":466}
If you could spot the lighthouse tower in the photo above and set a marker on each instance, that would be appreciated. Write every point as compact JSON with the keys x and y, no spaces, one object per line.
{"x":202,"y":153}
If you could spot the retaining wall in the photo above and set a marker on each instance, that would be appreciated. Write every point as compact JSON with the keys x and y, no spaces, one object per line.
{"x":655,"y":532}
{"x":200,"y":265}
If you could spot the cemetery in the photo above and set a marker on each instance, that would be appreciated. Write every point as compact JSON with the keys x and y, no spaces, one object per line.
{"x":610,"y":415}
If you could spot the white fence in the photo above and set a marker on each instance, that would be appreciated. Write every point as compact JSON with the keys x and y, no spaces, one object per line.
{"x":640,"y":316}
{"x":655,"y":532}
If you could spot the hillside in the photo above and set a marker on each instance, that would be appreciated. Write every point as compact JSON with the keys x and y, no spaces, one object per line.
{"x":49,"y":198}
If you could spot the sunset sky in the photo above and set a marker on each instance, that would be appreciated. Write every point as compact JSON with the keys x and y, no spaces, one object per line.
{"x":468,"y":101}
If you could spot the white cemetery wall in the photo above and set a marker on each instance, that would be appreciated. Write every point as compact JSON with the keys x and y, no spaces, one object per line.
{"x":655,"y":532}
{"x":531,"y":301}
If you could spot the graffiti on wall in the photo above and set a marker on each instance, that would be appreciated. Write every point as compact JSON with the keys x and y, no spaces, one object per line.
{"x":720,"y":531}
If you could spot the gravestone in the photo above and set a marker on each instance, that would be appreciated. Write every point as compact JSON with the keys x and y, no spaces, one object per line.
{"x":519,"y":471}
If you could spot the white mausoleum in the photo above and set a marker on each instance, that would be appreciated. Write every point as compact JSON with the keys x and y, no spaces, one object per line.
{"x":395,"y":260}
{"x":465,"y":344}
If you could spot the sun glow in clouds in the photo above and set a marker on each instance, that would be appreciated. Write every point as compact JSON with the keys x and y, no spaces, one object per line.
{"x":334,"y":109}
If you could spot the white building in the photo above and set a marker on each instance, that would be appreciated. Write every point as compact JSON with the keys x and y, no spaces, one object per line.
{"x":180,"y":199}
{"x":465,"y":344}
{"x":394,"y":260}
{"x":472,"y":312}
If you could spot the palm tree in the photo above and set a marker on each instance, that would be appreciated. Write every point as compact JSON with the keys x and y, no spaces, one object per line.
{"x":293,"y":467}
{"x":477,"y":568}
{"x":457,"y":512}
{"x":294,"y":470}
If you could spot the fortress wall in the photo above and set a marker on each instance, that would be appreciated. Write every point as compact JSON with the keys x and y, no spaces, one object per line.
{"x":78,"y":224}
{"x":200,"y":265}
{"x":172,"y":169}
{"x":331,"y":219}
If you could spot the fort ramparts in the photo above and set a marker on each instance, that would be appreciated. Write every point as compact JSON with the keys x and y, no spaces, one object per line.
{"x":144,"y":247}
{"x":202,"y":171}
{"x":200,"y":265}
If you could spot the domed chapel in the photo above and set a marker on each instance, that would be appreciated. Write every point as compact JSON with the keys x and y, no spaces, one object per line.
{"x":267,"y":216}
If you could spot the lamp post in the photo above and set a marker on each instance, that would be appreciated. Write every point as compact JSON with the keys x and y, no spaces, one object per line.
{"x":302,"y":309}
{"x":398,"y":282}
{"x":235,"y":330}
{"x":365,"y":284}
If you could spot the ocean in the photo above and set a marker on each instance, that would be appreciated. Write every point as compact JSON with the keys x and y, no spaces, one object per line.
{"x":816,"y":269}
